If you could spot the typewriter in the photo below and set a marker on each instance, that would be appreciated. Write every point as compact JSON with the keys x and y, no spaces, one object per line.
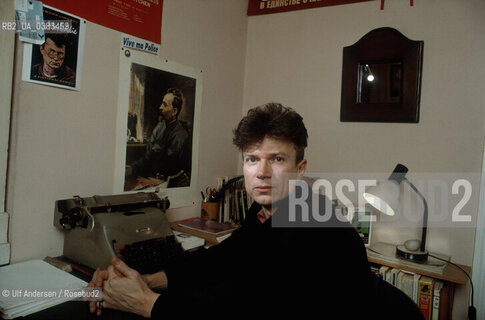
{"x":132,"y":227}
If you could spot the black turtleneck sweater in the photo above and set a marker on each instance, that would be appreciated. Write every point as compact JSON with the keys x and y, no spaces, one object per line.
{"x":269,"y":270}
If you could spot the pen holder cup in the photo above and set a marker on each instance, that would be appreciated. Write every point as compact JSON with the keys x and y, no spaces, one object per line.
{"x":209,"y":210}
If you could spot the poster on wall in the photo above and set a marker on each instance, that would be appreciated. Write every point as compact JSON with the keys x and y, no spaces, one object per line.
{"x":28,"y":13}
{"x":58,"y":61}
{"x":158,"y":121}
{"x":258,"y":7}
{"x":140,"y":18}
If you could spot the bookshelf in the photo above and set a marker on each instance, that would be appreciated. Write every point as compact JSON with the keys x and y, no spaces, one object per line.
{"x":450,"y":273}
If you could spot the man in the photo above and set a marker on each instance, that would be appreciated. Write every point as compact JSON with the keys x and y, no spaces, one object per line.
{"x":168,"y":151}
{"x":53,"y":52}
{"x":259,"y":269}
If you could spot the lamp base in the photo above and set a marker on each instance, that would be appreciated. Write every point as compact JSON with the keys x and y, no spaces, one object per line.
{"x":411,"y":255}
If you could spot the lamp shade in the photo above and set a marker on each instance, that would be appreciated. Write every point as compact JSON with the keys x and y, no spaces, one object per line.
{"x":384,"y":196}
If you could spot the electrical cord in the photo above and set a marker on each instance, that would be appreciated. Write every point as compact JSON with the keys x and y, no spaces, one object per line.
{"x":472,"y":312}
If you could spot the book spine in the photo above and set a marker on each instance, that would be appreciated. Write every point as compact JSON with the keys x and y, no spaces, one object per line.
{"x":408,"y":284}
{"x":389,"y":276}
{"x":226,"y":202}
{"x":415,"y":288}
{"x":232,"y":206}
{"x":425,"y":297}
{"x":220,"y":185}
{"x":237,"y":201}
{"x":240,"y":199}
{"x":234,"y":201}
{"x":245,"y":201}
{"x":394,"y":274}
{"x":239,"y":204}
{"x":399,"y":281}
{"x":436,"y":299}
{"x":383,"y":271}
{"x":445,"y":307}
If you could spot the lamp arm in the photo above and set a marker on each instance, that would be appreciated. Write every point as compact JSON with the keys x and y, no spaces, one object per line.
{"x":425,"y":214}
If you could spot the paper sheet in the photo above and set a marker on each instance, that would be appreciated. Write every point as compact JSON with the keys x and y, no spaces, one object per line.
{"x":19,"y":281}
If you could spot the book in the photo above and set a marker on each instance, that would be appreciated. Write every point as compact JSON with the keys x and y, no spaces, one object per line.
{"x":226,"y":202}
{"x":233,"y":199}
{"x":221,"y":181}
{"x":416,"y":278}
{"x":436,"y":299}
{"x":388,"y":277}
{"x":211,"y":237}
{"x":383,"y":271}
{"x":446,"y":305}
{"x":238,"y":206}
{"x":34,"y":285}
{"x":399,"y":279}
{"x":208,"y":226}
{"x":394,"y":274}
{"x":223,"y":237}
{"x":406,"y":283}
{"x":188,"y":241}
{"x":425,"y":296}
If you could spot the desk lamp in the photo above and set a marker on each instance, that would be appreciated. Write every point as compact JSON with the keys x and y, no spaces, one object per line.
{"x":385,"y":198}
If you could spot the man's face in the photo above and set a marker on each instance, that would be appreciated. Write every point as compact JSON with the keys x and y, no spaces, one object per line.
{"x":167,"y":111}
{"x":53,"y":55}
{"x":267,"y":166}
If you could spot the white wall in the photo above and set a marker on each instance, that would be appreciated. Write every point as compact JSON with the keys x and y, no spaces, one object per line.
{"x":7,"y":43}
{"x":63,"y":142}
{"x":296,"y":58}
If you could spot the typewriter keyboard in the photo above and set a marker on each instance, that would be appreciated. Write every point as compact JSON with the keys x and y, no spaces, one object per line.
{"x":152,"y":255}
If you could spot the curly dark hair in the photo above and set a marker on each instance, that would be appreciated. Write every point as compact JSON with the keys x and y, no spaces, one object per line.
{"x":59,"y":39}
{"x":273,"y":120}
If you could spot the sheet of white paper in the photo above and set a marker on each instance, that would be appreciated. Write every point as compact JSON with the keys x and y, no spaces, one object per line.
{"x":29,"y":276}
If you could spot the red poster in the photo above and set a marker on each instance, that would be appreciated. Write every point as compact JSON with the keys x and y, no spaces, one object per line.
{"x":140,"y":18}
{"x":257,"y":7}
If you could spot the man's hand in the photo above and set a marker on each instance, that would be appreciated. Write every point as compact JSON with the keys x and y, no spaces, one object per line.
{"x":97,"y":282}
{"x":126,"y":290}
{"x":156,"y":281}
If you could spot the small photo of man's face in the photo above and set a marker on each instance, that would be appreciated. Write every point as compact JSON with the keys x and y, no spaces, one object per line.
{"x":52,"y":54}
